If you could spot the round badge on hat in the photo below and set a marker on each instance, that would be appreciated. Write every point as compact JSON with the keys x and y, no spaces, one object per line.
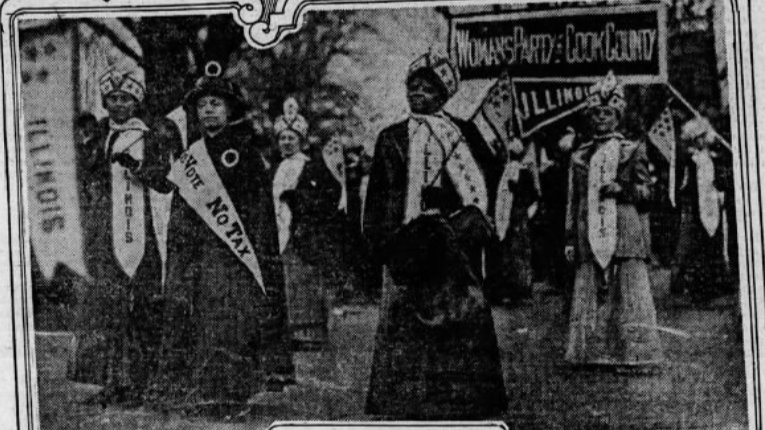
{"x":213,"y":69}
{"x":230,"y":157}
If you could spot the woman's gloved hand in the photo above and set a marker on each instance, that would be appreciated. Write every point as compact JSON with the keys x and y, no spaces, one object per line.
{"x":126,"y":161}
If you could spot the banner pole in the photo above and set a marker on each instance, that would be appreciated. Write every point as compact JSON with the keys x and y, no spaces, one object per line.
{"x":690,"y":107}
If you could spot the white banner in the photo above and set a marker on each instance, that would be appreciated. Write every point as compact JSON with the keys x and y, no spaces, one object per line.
{"x":54,"y":203}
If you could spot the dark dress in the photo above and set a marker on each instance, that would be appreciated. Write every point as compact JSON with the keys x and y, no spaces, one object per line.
{"x":224,"y":340}
{"x":700,"y":265}
{"x":511,"y":276}
{"x":447,"y":370}
{"x":313,"y":257}
{"x":117,"y":316}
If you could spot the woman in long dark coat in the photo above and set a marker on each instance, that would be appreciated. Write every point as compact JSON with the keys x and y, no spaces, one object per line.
{"x":118,"y":311}
{"x":702,"y":265}
{"x":436,"y":353}
{"x":308,"y":198}
{"x":225,"y":327}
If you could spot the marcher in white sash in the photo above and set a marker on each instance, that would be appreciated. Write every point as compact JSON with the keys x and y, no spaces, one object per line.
{"x":118,"y":314}
{"x":701,"y":267}
{"x":309,"y":200}
{"x":613,"y":319}
{"x":225,"y":327}
{"x":511,"y":279}
{"x":432,"y":182}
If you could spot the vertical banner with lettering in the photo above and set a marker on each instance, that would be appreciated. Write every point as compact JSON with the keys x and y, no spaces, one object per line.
{"x":48,"y":136}
{"x":573,"y":43}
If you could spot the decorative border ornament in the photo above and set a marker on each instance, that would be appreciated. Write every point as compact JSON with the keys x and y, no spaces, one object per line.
{"x":266,"y":22}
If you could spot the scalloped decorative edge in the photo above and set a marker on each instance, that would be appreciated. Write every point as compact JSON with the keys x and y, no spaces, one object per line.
{"x":262,"y":33}
{"x":286,"y":17}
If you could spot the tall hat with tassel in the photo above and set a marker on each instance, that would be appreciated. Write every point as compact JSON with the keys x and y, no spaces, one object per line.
{"x":608,"y":93}
{"x":438,"y":67}
{"x":291,"y":120}
{"x":125,"y":78}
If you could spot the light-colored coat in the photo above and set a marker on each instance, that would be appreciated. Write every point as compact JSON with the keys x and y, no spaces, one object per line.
{"x":633,"y":237}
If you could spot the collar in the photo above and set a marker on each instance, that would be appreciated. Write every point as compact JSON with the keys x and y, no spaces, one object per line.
{"x":131,"y":124}
{"x":298,"y":156}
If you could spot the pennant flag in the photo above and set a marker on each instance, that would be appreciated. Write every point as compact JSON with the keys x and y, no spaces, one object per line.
{"x":542,"y":102}
{"x":51,"y":156}
{"x":494,"y":116}
{"x":160,"y":202}
{"x":662,"y":135}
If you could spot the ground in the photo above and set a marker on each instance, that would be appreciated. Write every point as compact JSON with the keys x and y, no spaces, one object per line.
{"x":701,"y":386}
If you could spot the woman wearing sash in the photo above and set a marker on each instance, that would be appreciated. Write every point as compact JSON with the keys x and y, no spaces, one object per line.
{"x":225,"y":327}
{"x":118,"y":313}
{"x":612,"y":318}
{"x":512,"y":277}
{"x":702,"y":267}
{"x":436,"y":354}
{"x":308,"y":197}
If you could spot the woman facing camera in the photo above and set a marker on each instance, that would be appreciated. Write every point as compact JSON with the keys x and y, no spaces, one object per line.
{"x":309,"y":199}
{"x":225,"y":326}
{"x":613,"y":319}
{"x":436,"y":354}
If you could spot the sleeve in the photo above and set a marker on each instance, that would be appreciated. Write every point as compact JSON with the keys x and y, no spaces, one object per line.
{"x":491,"y":163}
{"x":162,"y":144}
{"x":724,"y":173}
{"x":638,"y":190}
{"x":377,"y":223}
{"x":571,"y":208}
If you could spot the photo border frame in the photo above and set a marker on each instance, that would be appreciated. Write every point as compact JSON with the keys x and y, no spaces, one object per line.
{"x":18,"y":373}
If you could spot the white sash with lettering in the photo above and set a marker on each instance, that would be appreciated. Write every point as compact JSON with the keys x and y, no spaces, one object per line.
{"x":505,"y":197}
{"x":286,"y":178}
{"x":202,"y":189}
{"x":709,"y":198}
{"x":332,"y":153}
{"x":601,"y":213}
{"x":432,"y":138}
{"x":128,"y":204}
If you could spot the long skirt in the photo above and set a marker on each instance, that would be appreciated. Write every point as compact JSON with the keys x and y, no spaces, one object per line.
{"x":613,"y":318}
{"x":700,"y":266}
{"x":222,"y":337}
{"x":309,"y":288}
{"x":421,"y":372}
{"x":117,"y":338}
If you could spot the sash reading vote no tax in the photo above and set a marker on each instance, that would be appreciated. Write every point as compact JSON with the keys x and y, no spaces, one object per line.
{"x":201,"y":187}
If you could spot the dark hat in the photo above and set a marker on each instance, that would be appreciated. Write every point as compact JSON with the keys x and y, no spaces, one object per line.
{"x":214,"y":85}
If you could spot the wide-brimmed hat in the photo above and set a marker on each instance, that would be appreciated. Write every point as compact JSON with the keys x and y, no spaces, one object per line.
{"x":438,"y":67}
{"x":212,"y":84}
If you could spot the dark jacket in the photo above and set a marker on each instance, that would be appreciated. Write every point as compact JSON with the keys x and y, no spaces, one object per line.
{"x":632,"y":211}
{"x":386,"y":195}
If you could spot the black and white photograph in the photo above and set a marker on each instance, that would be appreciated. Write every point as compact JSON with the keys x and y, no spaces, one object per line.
{"x":532,"y":215}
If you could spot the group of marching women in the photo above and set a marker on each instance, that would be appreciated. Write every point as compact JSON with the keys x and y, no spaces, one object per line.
{"x":247,"y":269}
{"x":253,"y":250}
